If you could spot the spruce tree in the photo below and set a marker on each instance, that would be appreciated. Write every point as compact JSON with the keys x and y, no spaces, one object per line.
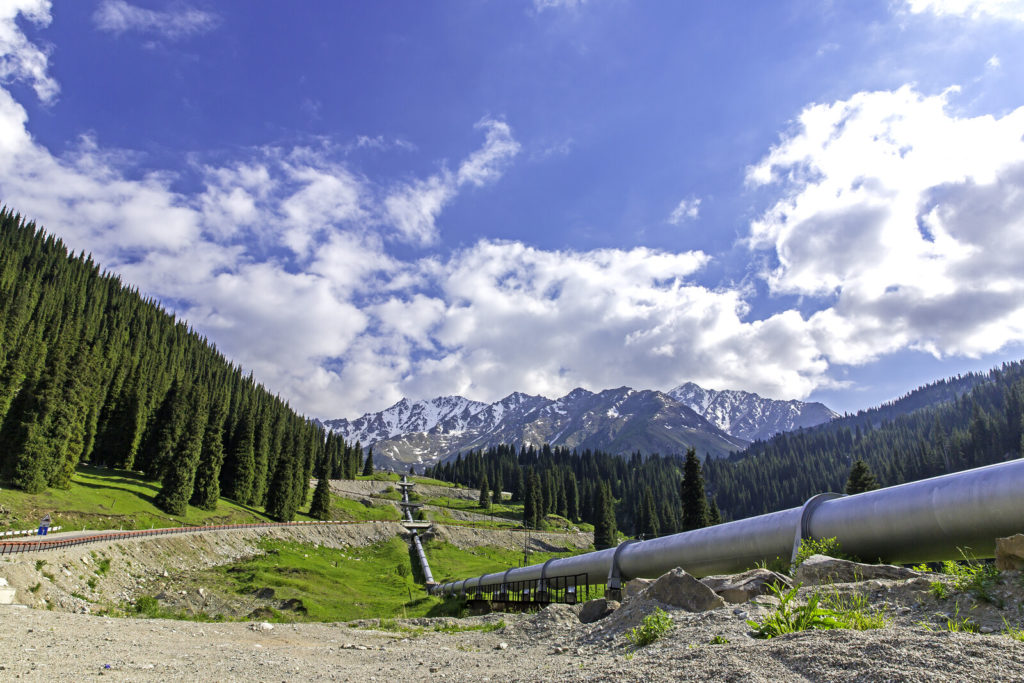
{"x":485,"y":494}
{"x":691,"y":491}
{"x":321,"y":506}
{"x":242,"y":457}
{"x":861,"y":479}
{"x":605,"y":532}
{"x":180,"y":473}
{"x":206,"y":489}
{"x":496,"y":492}
{"x":368,"y":465}
{"x":714,"y":515}
{"x":648,"y":516}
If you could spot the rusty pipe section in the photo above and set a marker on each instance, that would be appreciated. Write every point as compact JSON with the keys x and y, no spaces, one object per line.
{"x":921,"y":521}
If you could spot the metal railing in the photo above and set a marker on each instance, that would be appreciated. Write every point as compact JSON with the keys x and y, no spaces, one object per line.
{"x":12,"y":547}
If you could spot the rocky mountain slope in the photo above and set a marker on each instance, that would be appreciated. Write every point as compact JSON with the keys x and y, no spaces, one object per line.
{"x":748,"y":416}
{"x":619,"y":420}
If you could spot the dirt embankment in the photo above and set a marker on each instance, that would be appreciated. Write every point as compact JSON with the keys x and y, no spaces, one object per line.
{"x":75,"y":579}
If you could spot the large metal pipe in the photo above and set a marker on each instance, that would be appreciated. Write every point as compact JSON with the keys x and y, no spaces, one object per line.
{"x":921,"y":521}
{"x":428,"y":578}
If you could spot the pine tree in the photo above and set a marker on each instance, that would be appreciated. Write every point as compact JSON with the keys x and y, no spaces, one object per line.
{"x":714,"y":515}
{"x":368,"y":465}
{"x":648,"y":515}
{"x":206,"y":489}
{"x":496,"y":492}
{"x":321,"y":506}
{"x":861,"y":479}
{"x":691,"y":491}
{"x":485,"y":494}
{"x":242,"y":458}
{"x":180,"y":473}
{"x":605,"y":532}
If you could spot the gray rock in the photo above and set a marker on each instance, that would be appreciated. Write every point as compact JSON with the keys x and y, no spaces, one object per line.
{"x":679,"y":589}
{"x":1010,"y":552}
{"x":635,"y":587}
{"x":742,"y":587}
{"x":596,"y":609}
{"x":818,"y":570}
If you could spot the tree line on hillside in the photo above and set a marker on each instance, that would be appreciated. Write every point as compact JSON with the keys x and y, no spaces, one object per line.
{"x":978,"y":421}
{"x":91,"y":372}
{"x":644,"y":496}
{"x":947,"y":426}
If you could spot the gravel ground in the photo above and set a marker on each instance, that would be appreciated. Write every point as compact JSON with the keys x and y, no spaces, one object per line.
{"x":549,"y":646}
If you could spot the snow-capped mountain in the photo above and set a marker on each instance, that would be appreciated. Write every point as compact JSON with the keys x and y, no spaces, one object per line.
{"x":619,"y":420}
{"x":748,"y":416}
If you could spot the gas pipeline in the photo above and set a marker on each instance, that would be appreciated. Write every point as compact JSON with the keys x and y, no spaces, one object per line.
{"x":923,"y":521}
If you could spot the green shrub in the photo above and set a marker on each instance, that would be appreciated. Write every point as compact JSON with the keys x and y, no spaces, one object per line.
{"x":814,"y":546}
{"x":35,"y":588}
{"x":719,"y":640}
{"x":974,"y":577}
{"x":654,"y":626}
{"x":103,"y":566}
{"x":147,"y":605}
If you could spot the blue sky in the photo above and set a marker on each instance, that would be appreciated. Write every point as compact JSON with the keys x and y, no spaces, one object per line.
{"x":364,"y":201}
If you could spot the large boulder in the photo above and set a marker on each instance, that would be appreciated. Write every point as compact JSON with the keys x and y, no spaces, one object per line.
{"x":596,"y":609}
{"x":818,"y":570}
{"x":742,"y":587}
{"x":679,"y":589}
{"x":1010,"y":552}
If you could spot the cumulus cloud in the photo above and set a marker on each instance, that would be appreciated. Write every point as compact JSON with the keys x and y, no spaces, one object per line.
{"x":182,"y":21}
{"x":686,"y":210}
{"x":910,"y":217}
{"x":20,"y":59}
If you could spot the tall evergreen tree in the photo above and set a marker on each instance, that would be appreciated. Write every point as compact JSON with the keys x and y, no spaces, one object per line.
{"x":180,"y":473}
{"x":206,"y":488}
{"x":861,"y":479}
{"x":368,"y":465}
{"x":691,"y":491}
{"x":605,"y":530}
{"x":240,"y":466}
{"x":485,"y":494}
{"x":321,"y":505}
{"x":648,"y":516}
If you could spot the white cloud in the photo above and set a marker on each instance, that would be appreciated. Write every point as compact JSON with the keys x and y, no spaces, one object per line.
{"x":541,"y":5}
{"x":993,"y":62}
{"x":182,"y":21}
{"x":413,"y":208}
{"x":973,"y":9}
{"x":686,"y":210}
{"x":21,"y":60}
{"x":910,"y":217}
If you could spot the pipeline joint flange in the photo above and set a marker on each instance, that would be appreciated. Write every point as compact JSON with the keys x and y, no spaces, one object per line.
{"x":803,"y":528}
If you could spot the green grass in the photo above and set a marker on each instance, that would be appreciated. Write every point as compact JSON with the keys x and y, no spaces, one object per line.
{"x":333,"y":585}
{"x":101,"y":498}
{"x":971,"y":576}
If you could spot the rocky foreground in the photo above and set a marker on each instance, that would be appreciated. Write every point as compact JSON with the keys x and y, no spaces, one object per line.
{"x":710,"y":639}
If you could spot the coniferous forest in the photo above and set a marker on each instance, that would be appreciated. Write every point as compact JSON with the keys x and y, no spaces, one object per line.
{"x":948,"y":426}
{"x":92,"y":372}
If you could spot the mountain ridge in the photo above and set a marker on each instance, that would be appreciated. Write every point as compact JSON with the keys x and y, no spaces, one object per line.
{"x":621,"y":420}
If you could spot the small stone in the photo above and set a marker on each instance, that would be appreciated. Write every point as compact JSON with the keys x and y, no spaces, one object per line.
{"x":986,"y":629}
{"x":501,"y":646}
{"x":264,"y":626}
{"x":362,"y":647}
